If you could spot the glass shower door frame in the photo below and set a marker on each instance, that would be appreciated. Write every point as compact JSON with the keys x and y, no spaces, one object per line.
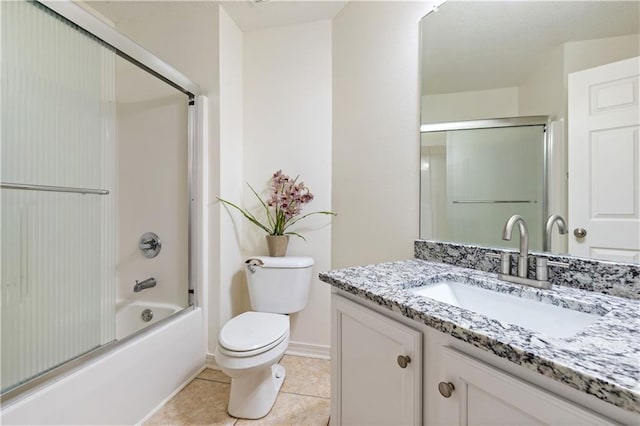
{"x":534,"y":120}
{"x":139,"y":56}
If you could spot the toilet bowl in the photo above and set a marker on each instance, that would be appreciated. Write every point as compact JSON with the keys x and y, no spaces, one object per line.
{"x":251,"y":344}
{"x":249,"y":347}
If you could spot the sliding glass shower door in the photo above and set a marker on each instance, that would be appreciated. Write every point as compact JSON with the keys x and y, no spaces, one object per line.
{"x":474,"y":178}
{"x":57,"y":210}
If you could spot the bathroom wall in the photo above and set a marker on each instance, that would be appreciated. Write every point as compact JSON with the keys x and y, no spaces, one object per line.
{"x":151,"y":185}
{"x":542,"y":93}
{"x":376,"y":107}
{"x":231,"y":299}
{"x":287,"y":125}
{"x":581,"y":55}
{"x":470,"y":105}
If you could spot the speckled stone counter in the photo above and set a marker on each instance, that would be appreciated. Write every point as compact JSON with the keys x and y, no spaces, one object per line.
{"x":616,"y":279}
{"x":602,"y":360}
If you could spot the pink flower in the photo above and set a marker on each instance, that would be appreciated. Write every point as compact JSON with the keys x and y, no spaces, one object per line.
{"x":283,"y":206}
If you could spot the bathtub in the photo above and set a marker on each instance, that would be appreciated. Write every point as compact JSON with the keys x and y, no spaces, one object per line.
{"x":129,"y":316}
{"x":123,"y":385}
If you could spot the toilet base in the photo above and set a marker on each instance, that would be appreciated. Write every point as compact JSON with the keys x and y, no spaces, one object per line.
{"x":253,"y":395}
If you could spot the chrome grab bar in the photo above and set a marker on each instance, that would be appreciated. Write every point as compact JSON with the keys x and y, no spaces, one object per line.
{"x":29,"y":187}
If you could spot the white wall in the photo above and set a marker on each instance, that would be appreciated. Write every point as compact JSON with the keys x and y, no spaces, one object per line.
{"x":581,"y":55}
{"x":471,"y":105}
{"x":543,"y":91}
{"x":232,"y":298}
{"x":152,"y":188}
{"x":376,"y":149}
{"x":287,"y":125}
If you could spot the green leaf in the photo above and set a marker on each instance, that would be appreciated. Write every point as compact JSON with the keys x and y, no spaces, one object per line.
{"x":246,"y":214}
{"x":294,"y":220}
{"x":296,"y":234}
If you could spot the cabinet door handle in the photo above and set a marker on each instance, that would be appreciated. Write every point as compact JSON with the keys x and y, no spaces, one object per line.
{"x":403,"y":361}
{"x":446,"y":389}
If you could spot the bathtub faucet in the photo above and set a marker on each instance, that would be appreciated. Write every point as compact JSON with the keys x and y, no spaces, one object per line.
{"x":148,"y":283}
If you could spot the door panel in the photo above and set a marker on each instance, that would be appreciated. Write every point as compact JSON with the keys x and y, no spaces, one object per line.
{"x":372,"y":388}
{"x":604,"y":161}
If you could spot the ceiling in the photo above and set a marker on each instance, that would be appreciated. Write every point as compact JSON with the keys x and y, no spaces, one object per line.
{"x":466,"y":45}
{"x":472,"y":45}
{"x":248,"y":15}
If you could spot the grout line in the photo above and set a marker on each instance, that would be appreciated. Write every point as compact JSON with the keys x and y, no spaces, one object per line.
{"x":213,"y":380}
{"x":306,"y":394}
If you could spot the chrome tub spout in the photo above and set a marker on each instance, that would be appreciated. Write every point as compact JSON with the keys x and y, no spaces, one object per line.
{"x":148,"y":283}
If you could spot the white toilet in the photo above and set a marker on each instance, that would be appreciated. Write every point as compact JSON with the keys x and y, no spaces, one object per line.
{"x":251,"y":344}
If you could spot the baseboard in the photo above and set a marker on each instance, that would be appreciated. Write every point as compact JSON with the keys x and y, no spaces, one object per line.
{"x":309,"y":350}
{"x":295,"y":349}
{"x":210,"y":362}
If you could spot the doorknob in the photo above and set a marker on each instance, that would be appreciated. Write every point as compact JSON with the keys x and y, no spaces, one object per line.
{"x":580,"y":232}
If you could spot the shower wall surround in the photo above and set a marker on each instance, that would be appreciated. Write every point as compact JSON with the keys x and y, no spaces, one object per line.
{"x":615,"y":279}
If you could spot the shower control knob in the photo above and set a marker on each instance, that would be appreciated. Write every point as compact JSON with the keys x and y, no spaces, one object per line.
{"x":149,"y":244}
{"x":446,"y":389}
{"x":403,"y":361}
{"x":580,"y":232}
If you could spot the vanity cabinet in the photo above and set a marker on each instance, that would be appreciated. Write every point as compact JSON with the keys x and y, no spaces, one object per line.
{"x":376,"y":365}
{"x":475,"y":393}
{"x":368,"y":386}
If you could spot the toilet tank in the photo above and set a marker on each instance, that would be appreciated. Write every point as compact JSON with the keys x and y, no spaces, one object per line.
{"x":278,"y":284}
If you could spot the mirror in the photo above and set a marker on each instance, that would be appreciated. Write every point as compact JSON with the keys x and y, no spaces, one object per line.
{"x":482,"y":61}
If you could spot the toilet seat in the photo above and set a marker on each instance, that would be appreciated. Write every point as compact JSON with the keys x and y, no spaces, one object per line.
{"x":252,"y":333}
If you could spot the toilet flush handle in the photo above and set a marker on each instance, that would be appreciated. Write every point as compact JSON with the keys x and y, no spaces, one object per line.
{"x":252,"y":263}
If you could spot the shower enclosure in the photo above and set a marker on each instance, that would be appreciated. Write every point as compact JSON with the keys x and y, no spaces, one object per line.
{"x":96,"y":151}
{"x":476,"y":174}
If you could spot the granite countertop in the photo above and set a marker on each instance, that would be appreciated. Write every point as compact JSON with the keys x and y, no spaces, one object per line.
{"x":602,"y":360}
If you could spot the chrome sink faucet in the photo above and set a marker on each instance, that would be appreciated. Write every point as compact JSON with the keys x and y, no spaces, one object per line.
{"x":562,"y":229}
{"x":148,"y":283}
{"x":523,"y":258}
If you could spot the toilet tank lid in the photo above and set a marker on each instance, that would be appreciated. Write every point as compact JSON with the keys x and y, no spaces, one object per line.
{"x":281,"y":262}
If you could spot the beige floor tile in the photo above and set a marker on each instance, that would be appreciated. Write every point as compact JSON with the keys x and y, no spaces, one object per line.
{"x":307,"y":376}
{"x":201,"y":402}
{"x":291,"y":409}
{"x":215,"y":375}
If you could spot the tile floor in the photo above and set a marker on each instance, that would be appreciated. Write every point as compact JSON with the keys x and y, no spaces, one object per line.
{"x":303,"y":398}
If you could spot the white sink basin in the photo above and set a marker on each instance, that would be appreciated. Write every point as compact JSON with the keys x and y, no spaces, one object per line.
{"x":545,"y":318}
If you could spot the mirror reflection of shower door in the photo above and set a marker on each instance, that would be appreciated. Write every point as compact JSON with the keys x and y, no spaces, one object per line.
{"x":490,"y":174}
{"x":58,"y":212}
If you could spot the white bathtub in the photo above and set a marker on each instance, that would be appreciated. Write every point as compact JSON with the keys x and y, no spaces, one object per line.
{"x":129,"y":316}
{"x":123,"y":385}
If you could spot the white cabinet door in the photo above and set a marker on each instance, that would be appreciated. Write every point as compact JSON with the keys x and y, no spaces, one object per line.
{"x":368,"y":384}
{"x":483,"y":395}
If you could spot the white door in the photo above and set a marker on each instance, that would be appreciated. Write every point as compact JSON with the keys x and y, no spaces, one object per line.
{"x":370,"y":384}
{"x":604,"y":162}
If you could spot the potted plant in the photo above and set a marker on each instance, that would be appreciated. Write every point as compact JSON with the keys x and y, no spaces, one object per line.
{"x":282,"y":210}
